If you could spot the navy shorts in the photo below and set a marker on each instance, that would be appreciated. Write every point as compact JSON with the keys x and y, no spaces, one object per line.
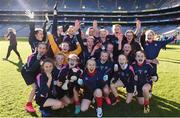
{"x":60,"y":92}
{"x":88,"y":94}
{"x":139,"y":89}
{"x":129,"y":88}
{"x":27,"y":76}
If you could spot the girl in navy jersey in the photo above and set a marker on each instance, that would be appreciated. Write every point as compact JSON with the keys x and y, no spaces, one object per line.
{"x":144,"y":76}
{"x":30,"y":71}
{"x":69,"y":76}
{"x":59,"y":66}
{"x":36,"y":34}
{"x":45,"y":89}
{"x":152,"y":47}
{"x":123,"y":76}
{"x":104,"y":66}
{"x":89,"y":82}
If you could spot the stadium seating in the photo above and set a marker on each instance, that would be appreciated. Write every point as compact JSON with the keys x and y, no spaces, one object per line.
{"x":154,"y":14}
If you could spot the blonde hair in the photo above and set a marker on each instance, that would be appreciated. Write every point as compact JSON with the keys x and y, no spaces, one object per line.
{"x":114,"y":26}
{"x":89,"y":60}
{"x":87,"y":31}
{"x":149,"y":31}
{"x":71,"y":26}
{"x":102,"y":30}
{"x":129,"y":31}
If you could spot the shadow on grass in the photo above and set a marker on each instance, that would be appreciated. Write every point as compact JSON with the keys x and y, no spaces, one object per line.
{"x":175,"y":61}
{"x":160,"y":107}
{"x":171,"y":59}
{"x":19,"y":65}
{"x":33,"y":114}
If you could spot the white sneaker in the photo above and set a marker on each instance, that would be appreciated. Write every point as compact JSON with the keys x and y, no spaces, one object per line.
{"x":99,"y":112}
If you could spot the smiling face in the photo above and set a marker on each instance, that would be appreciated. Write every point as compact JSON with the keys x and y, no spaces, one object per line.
{"x":129,"y":36}
{"x":127,"y":49}
{"x":70,"y":30}
{"x":42,"y":49}
{"x":91,"y":32}
{"x":122,"y":60}
{"x":116,"y":29}
{"x":150,"y":36}
{"x":60,"y":59}
{"x":59,"y":30}
{"x":103,"y":33}
{"x":39,"y":35}
{"x":91,"y":65}
{"x":104,"y":57}
{"x":47,"y":67}
{"x":110,"y":48}
{"x":65,"y":47}
{"x":90,"y":42}
{"x":72,"y":60}
{"x":140,"y":57}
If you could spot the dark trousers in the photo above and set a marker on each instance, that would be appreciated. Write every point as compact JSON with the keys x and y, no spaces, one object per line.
{"x":14,"y":48}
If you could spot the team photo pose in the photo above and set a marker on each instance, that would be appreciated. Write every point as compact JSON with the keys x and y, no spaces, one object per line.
{"x":30,"y":70}
{"x":123,"y":76}
{"x":45,"y":92}
{"x":69,"y":76}
{"x":144,"y":76}
{"x":89,"y":82}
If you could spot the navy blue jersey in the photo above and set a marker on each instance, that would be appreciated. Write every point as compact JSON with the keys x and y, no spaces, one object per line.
{"x":104,"y":69}
{"x":57,"y":72}
{"x":126,"y":76}
{"x":86,"y":54}
{"x":144,"y":72}
{"x":90,"y":80}
{"x":152,"y":49}
{"x":33,"y":65}
{"x":42,"y":90}
{"x":67,"y":73}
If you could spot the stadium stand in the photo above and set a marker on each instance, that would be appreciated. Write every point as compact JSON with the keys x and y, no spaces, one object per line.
{"x":154,"y":14}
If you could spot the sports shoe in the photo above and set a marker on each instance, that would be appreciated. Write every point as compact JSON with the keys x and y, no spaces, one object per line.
{"x":99,"y":112}
{"x":146,"y":109}
{"x":45,"y":113}
{"x":77,"y":109}
{"x":29,"y":108}
{"x":108,"y":101}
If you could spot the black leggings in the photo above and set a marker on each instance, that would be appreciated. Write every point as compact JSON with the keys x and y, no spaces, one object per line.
{"x":12,"y":47}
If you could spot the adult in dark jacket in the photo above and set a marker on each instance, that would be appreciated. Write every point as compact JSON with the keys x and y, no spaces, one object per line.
{"x":11,"y":36}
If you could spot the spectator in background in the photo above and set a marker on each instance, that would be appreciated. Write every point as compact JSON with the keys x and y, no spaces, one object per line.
{"x":11,"y":36}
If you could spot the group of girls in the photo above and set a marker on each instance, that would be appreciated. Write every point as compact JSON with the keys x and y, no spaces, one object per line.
{"x":73,"y":67}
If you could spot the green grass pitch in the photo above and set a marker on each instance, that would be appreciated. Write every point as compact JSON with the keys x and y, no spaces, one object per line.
{"x":165,"y":100}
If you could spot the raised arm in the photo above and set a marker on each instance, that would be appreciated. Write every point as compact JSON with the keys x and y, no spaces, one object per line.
{"x":53,"y":44}
{"x":138,"y":27}
{"x":44,"y":27}
{"x":166,"y":41}
{"x":78,"y":50}
{"x":55,"y":21}
{"x":95,"y":27}
{"x":142,"y":39}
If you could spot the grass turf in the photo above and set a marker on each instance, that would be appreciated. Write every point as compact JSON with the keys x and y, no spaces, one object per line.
{"x":165,"y":100}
